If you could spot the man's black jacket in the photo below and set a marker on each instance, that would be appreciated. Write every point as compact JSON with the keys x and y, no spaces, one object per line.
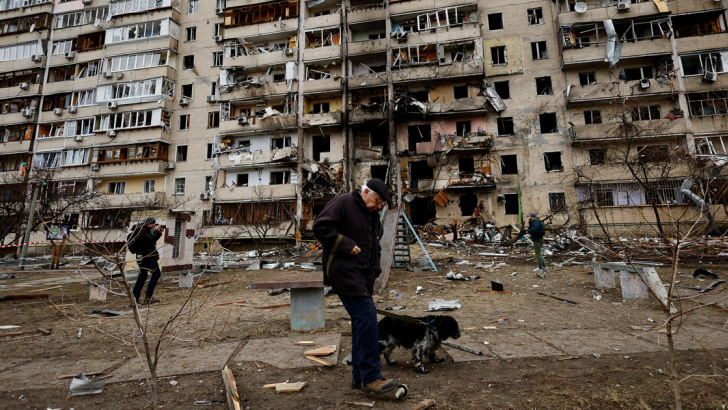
{"x":147,"y":241}
{"x":350,"y":275}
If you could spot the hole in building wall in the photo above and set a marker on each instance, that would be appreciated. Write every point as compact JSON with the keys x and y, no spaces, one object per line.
{"x":505,"y":126}
{"x":460,"y":91}
{"x":552,"y":161}
{"x":509,"y":164}
{"x":468,"y":202}
{"x":421,"y":96}
{"x":418,"y":133}
{"x":543,"y":86}
{"x":462,"y":128}
{"x":511,"y":204}
{"x":495,"y":21}
{"x":379,"y":171}
{"x":419,"y":170}
{"x":321,"y":144}
{"x":548,"y":122}
{"x":466,"y":166}
{"x":422,"y":211}
{"x":503,"y":89}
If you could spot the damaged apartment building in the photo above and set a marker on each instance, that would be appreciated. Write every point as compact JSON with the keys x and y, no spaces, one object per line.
{"x":467,"y":109}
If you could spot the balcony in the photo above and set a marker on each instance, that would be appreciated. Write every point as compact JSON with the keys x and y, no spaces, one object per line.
{"x":322,"y":21}
{"x":359,"y":115}
{"x":597,"y":52}
{"x":259,"y":124}
{"x":419,"y":6}
{"x":324,"y":119}
{"x":90,"y":55}
{"x":441,"y":35}
{"x":473,"y":67}
{"x":367,"y":47}
{"x":322,"y":53}
{"x":138,"y":75}
{"x":694,"y":6}
{"x":258,"y":158}
{"x":253,"y":30}
{"x":597,"y":14}
{"x":317,"y":86}
{"x":153,"y":43}
{"x":700,"y":43}
{"x":242,"y":93}
{"x":620,"y":89}
{"x":110,"y":201}
{"x":612,"y":131}
{"x":359,"y":14}
{"x":21,"y":64}
{"x":120,"y":169}
{"x":478,"y":103}
{"x":71,"y":85}
{"x":16,"y":118}
{"x":261,"y":59}
{"x":255,"y":193}
{"x":12,"y":92}
{"x":709,"y":125}
{"x":12,"y":147}
{"x":28,"y":10}
{"x":368,"y":80}
{"x":85,"y":111}
{"x":696,"y":83}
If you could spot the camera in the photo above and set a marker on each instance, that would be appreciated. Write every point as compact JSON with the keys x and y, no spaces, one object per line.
{"x":162,"y":226}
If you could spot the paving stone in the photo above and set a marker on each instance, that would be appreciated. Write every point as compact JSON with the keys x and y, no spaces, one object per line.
{"x":458,"y":355}
{"x":284,"y":354}
{"x":602,"y":341}
{"x":42,"y":373}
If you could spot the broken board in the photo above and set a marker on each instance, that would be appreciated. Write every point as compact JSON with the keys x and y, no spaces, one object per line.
{"x":389,"y":223}
{"x":321,"y":351}
{"x":284,"y":354}
{"x":289,"y":387}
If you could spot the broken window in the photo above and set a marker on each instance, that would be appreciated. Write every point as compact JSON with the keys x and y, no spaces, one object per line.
{"x":462,"y":128}
{"x":498,"y":55}
{"x":321,"y":144}
{"x":421,"y":96}
{"x":597,"y":156}
{"x":419,"y":170}
{"x":213,"y":119}
{"x":116,"y":188}
{"x":320,"y":108}
{"x":584,"y":41}
{"x":184,"y":122}
{"x":217,"y":58}
{"x":592,"y":117}
{"x":277,"y":143}
{"x":543,"y":86}
{"x":503,"y":89}
{"x":646,"y":113}
{"x":495,"y":21}
{"x":604,"y":198}
{"x":468,"y":203}
{"x":708,"y":104}
{"x":209,"y":150}
{"x":422,"y":211}
{"x":243,"y":145}
{"x":418,"y":133}
{"x":241,"y":180}
{"x":635,"y":74}
{"x":505,"y":125}
{"x":186,"y":91}
{"x":188,"y":62}
{"x":548,"y":123}
{"x":557,"y":202}
{"x":466,"y":166}
{"x":460,"y":91}
{"x":511,"y":204}
{"x":378,"y":139}
{"x":535,"y":16}
{"x":191,"y":34}
{"x":587,"y":78}
{"x":509,"y":164}
{"x":552,"y":161}
{"x":379,"y":172}
{"x":538,"y":50}
{"x":181,"y":153}
{"x":280,"y":177}
{"x":699,"y":64}
{"x":653,"y":153}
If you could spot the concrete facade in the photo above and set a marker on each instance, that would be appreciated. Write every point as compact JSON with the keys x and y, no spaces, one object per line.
{"x":485,"y":102}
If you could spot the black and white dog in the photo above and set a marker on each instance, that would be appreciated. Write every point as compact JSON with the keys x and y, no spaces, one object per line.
{"x":423,"y":340}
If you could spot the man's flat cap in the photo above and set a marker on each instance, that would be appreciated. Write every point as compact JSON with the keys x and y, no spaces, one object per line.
{"x":378,"y":186}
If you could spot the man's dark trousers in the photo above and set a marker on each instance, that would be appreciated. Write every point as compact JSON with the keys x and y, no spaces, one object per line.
{"x":365,"y":358}
{"x":148,"y":264}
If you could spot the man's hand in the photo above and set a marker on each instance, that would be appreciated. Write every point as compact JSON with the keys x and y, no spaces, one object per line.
{"x":158,"y":227}
{"x":355,"y":251}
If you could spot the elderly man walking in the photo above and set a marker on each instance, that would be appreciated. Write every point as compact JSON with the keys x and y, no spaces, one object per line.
{"x":349,"y":229}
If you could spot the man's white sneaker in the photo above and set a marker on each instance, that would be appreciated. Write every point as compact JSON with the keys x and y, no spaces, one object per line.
{"x":538,"y":270}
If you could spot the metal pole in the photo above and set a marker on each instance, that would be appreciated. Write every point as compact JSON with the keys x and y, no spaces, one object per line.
{"x":419,"y":241}
{"x":28,"y":227}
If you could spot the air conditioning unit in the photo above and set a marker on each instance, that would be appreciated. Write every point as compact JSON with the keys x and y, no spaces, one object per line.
{"x":184,"y":101}
{"x":110,"y":133}
{"x":644,"y":84}
{"x":78,"y":138}
{"x":623,"y":5}
{"x":711,"y":76}
{"x":58,"y":111}
{"x":26,"y":112}
{"x":501,"y":199}
{"x":69,"y":55}
{"x":94,"y":167}
{"x":111,"y":105}
{"x":107,"y":74}
{"x":219,"y":11}
{"x":36,"y":58}
{"x":211,"y":98}
{"x":243,"y":120}
{"x":169,"y":165}
{"x":217,"y":38}
{"x":204,"y":196}
{"x":119,"y":75}
{"x":402,"y":36}
{"x":72,"y":109}
{"x":86,"y":2}
{"x":288,"y":51}
{"x":24,"y":86}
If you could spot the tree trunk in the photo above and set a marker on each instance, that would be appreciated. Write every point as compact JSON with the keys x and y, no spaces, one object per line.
{"x":673,"y":365}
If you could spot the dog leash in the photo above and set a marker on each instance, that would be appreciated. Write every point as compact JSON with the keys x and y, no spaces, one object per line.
{"x":403,"y":317}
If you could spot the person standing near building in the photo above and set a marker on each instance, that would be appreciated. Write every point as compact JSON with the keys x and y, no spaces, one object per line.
{"x":144,"y":245}
{"x":536,"y":230}
{"x":350,"y":230}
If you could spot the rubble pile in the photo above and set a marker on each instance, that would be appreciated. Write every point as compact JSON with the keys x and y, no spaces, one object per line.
{"x":322,"y":180}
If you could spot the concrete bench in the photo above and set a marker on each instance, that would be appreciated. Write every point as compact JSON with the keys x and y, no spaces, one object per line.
{"x":307,"y":298}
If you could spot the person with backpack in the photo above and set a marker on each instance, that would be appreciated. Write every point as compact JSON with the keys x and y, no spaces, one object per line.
{"x":142,"y":241}
{"x":536,"y":230}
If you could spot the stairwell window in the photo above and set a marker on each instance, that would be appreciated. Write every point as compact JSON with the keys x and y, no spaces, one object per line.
{"x":192,"y":6}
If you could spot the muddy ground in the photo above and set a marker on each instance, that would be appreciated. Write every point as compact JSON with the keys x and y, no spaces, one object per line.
{"x":527,"y":378}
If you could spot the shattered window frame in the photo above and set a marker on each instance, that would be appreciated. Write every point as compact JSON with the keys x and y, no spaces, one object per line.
{"x":217,"y":58}
{"x":463,"y":128}
{"x":557,"y":202}
{"x":592,"y":117}
{"x":553,"y":162}
{"x":542,"y":119}
{"x":598,"y":156}
{"x":245,"y":179}
{"x":708,"y":104}
{"x":509,"y":164}
{"x":539,"y":50}
{"x":544,"y":86}
{"x":498,"y":86}
{"x":499,"y":56}
{"x":505,"y":124}
{"x":181,"y":152}
{"x":588,"y":78}
{"x":184,"y":122}
{"x":492,"y":22}
{"x":279,"y":177}
{"x":183,"y":90}
{"x":535,"y":16}
{"x":213,"y":119}
{"x":457,"y":92}
{"x":209,"y":149}
{"x":510,"y":204}
{"x":188,"y":62}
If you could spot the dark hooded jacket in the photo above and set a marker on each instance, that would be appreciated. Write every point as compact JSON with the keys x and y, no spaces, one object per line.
{"x":350,"y":275}
{"x":146,"y":239}
{"x":536,"y":230}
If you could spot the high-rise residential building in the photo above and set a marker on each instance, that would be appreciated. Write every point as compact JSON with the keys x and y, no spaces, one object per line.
{"x":259,"y":112}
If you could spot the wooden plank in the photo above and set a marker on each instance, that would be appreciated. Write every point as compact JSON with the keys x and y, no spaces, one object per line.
{"x":231,"y":389}
{"x":558,"y":298}
{"x":318,"y":360}
{"x":389,"y":224}
{"x":292,"y":281}
{"x":214,"y":284}
{"x":321,"y":351}
{"x":615,"y":266}
{"x":26,"y":332}
{"x":263,"y":307}
{"x":305,"y":343}
{"x":496,"y":320}
{"x":359,"y":403}
{"x":71,"y":376}
{"x":424,"y":404}
{"x":41,"y":290}
{"x":654,"y":284}
{"x":435,"y":283}
{"x":228,"y":303}
{"x":289,"y":387}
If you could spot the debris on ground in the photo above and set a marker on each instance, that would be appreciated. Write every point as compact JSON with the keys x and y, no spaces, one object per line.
{"x":81,"y":386}
{"x":443,"y":305}
{"x":703,"y":272}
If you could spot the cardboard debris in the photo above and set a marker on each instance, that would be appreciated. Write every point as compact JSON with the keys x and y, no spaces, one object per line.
{"x":81,"y":386}
{"x":443,"y":305}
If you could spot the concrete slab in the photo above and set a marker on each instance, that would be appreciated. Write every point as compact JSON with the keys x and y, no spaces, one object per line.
{"x":42,"y":373}
{"x":690,"y":337}
{"x":180,"y":359}
{"x":284,"y":354}
{"x":458,"y":356}
{"x":580,"y":342}
{"x":515,"y":344}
